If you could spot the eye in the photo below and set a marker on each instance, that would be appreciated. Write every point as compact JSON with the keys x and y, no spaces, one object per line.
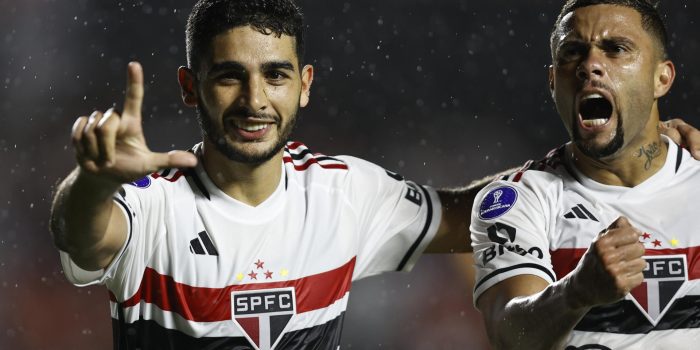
{"x":617,"y":49}
{"x":571,"y":52}
{"x":276,"y":76}
{"x":229,"y":77}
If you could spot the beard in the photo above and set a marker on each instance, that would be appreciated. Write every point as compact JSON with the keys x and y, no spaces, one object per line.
{"x":590,"y":150}
{"x":238,"y":154}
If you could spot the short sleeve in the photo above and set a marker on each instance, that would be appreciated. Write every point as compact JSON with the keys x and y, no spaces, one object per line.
{"x":509,"y":232}
{"x":397,"y":218}
{"x":142,"y":204}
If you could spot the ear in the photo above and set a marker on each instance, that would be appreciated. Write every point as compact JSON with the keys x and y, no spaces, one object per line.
{"x":307,"y":77}
{"x":550,"y":72}
{"x":663,"y":78}
{"x":187,"y":80}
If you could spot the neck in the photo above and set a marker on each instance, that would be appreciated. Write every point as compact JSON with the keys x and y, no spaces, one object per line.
{"x":637,"y":161}
{"x":251,"y":184}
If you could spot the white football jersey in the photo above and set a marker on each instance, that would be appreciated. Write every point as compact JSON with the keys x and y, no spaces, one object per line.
{"x":202,"y":270}
{"x":540,"y":221}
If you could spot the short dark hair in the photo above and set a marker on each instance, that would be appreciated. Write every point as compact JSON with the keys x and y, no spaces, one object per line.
{"x":210,"y":18}
{"x":648,"y":9}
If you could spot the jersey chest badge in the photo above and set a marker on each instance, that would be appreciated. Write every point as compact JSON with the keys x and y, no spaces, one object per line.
{"x":263,"y":315}
{"x":664,"y":276}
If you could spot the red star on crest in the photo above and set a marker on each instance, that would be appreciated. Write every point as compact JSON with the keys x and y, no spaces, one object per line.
{"x":268,"y":274}
{"x":259,"y":264}
{"x":646,"y":235}
{"x":656,"y":243}
{"x":253,"y":275}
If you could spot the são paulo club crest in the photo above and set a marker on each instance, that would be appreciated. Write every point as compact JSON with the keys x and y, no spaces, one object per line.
{"x":263,"y":315}
{"x":497,"y":202}
{"x":664,"y":276}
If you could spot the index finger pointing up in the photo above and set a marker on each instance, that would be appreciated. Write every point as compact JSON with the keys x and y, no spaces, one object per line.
{"x":134,"y":89}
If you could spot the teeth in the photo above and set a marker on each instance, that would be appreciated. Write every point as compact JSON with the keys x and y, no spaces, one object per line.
{"x":594,"y":122}
{"x":595,"y":95}
{"x":251,"y":127}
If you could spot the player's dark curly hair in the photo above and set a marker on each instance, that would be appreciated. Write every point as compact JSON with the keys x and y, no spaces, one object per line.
{"x":648,"y":9}
{"x":212,"y":17}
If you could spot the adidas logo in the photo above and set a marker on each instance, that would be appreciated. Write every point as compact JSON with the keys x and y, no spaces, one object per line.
{"x":579,"y":211}
{"x":203,"y":245}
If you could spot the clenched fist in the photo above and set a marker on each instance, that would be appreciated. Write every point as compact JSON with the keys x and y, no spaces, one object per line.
{"x":611,"y":267}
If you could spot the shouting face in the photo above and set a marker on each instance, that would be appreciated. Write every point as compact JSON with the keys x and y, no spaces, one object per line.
{"x":607,"y":73}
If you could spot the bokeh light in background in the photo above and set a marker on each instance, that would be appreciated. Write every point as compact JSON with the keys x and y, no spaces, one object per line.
{"x":440,"y":91}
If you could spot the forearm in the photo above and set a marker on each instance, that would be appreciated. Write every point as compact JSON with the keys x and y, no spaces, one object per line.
{"x":540,"y":321}
{"x":81,"y":213}
{"x":453,"y":233}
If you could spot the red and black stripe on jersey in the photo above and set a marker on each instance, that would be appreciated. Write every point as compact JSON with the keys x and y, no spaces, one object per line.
{"x":302,"y":158}
{"x":623,"y":316}
{"x":148,"y":334}
{"x":552,"y":160}
{"x":194,"y":304}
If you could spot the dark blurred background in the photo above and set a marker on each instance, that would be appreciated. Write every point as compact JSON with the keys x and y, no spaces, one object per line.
{"x":441,"y":91}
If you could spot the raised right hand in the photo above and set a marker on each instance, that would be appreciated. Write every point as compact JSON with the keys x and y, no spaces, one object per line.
{"x":113,"y":147}
{"x":611,"y":267}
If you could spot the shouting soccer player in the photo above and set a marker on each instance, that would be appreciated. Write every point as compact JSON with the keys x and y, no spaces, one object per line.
{"x":594,"y":247}
{"x":248,"y":241}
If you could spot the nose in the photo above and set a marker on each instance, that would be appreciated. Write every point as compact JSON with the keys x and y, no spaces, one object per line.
{"x":591,"y":67}
{"x":255,"y":96}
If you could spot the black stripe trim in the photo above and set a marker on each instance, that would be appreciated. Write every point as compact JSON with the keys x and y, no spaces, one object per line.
{"x":623,"y":317}
{"x":208,"y":244}
{"x":148,"y":334}
{"x":300,"y":155}
{"x":305,"y":152}
{"x":165,"y":172}
{"x":319,"y":158}
{"x":679,"y":157}
{"x":192,"y":174}
{"x":428,"y":221}
{"x":131,"y":225}
{"x":514,"y":267}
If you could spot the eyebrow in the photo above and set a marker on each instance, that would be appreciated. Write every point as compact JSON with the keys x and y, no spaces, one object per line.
{"x":286,"y":65}
{"x":618,"y":39}
{"x":226,"y":66}
{"x":235,"y":66}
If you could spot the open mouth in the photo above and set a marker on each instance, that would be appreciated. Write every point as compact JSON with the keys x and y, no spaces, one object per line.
{"x":595,"y":110}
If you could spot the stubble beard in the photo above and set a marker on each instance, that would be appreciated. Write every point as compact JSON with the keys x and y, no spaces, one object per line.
{"x":219,"y":140}
{"x":590,"y":150}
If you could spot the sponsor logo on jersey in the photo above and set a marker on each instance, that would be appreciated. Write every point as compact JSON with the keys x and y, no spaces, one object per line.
{"x":202,"y":245}
{"x":580,"y":212}
{"x":142,"y":183}
{"x":497,"y":202}
{"x":503,"y":236}
{"x":263,"y":315}
{"x":664,"y":276}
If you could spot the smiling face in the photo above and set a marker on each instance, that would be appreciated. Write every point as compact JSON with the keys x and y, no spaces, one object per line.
{"x":248,"y":91}
{"x":605,"y":78}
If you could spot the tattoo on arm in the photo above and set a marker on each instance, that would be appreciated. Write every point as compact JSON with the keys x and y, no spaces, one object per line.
{"x":651,"y":151}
